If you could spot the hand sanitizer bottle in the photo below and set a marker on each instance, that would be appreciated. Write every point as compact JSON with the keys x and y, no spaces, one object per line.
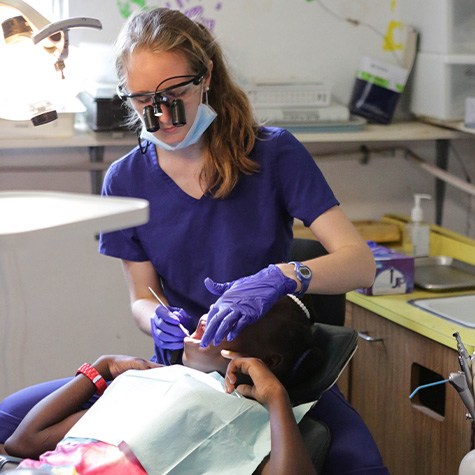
{"x":417,"y":232}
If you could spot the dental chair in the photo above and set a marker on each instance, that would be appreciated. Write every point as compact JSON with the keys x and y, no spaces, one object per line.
{"x":338,"y":344}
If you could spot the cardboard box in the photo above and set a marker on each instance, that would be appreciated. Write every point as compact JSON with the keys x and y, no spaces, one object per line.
{"x":394,"y":272}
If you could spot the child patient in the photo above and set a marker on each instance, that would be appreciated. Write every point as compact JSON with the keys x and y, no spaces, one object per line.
{"x":260,"y":364}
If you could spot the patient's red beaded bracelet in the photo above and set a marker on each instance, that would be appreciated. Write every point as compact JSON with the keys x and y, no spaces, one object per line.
{"x":90,"y":372}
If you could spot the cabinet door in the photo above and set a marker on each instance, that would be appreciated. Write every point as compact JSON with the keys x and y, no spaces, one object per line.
{"x":426,"y":435}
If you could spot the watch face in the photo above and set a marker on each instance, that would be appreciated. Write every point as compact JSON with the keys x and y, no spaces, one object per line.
{"x":305,"y":272}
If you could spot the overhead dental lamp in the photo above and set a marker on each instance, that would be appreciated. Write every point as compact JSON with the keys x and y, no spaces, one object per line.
{"x":33,"y":61}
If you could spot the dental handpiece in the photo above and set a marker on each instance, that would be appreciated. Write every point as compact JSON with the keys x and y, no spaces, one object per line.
{"x":160,"y":301}
{"x":467,"y":371}
{"x":472,"y":358}
{"x":465,"y":361}
{"x":459,"y":382}
{"x":461,"y":348}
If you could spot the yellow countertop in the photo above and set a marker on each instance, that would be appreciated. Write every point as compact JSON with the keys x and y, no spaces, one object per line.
{"x":397,"y":307}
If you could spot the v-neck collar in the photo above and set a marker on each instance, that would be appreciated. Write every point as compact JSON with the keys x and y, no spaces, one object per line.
{"x":163,"y":176}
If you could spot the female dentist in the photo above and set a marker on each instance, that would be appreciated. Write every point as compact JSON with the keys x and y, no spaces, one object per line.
{"x":223,"y":193}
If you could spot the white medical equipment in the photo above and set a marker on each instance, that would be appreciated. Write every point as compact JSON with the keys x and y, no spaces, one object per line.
{"x":61,"y":302}
{"x":296,"y":105}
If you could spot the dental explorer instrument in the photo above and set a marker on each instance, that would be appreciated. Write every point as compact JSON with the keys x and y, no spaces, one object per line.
{"x":459,"y":382}
{"x":183,"y":329}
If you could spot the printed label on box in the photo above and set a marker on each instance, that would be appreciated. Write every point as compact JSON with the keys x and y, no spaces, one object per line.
{"x":394,"y":272}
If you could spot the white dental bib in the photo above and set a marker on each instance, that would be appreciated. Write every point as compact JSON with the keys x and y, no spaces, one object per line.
{"x":178,"y":421}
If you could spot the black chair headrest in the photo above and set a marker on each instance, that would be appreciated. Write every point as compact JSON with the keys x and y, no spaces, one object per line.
{"x":338,"y":345}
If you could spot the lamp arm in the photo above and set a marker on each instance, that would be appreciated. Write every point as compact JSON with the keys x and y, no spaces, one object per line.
{"x":34,"y":17}
{"x":64,"y":25}
{"x":59,"y":30}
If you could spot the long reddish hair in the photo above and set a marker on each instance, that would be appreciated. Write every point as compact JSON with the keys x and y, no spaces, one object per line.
{"x":232,"y":135}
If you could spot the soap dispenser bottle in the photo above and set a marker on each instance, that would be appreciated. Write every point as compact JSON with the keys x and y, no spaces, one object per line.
{"x":418,"y":232}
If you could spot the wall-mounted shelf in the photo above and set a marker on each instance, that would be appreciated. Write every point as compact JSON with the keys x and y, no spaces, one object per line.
{"x":396,"y":133}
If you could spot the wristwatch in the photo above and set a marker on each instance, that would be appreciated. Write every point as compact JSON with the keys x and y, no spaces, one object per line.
{"x":304,"y":275}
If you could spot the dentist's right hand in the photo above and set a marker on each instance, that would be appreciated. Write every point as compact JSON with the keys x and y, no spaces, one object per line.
{"x":170,"y":326}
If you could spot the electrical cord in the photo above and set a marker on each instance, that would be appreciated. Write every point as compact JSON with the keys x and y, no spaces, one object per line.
{"x":356,"y":22}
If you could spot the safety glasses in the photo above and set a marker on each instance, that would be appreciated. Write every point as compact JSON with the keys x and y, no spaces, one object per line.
{"x":170,"y":89}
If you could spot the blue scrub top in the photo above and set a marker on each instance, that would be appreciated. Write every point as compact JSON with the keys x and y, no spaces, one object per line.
{"x":189,"y":239}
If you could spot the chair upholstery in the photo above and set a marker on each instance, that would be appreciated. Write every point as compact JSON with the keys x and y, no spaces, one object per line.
{"x":338,"y":345}
{"x":329,"y":309}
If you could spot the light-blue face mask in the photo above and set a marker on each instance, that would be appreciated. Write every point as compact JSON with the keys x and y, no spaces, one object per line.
{"x":204,"y":117}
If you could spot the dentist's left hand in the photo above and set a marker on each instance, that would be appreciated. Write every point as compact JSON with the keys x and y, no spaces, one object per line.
{"x":170,"y":326}
{"x":243,"y":302}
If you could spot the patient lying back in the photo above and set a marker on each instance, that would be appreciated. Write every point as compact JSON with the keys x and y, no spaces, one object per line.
{"x":259,"y":364}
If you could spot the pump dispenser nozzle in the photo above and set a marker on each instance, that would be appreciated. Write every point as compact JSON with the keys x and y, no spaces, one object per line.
{"x":417,"y":214}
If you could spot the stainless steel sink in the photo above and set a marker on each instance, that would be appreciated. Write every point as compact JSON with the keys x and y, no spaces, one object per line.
{"x":459,"y":309}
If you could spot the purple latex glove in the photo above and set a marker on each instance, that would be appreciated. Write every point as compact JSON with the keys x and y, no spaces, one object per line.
{"x":169,"y":327}
{"x":243,"y":302}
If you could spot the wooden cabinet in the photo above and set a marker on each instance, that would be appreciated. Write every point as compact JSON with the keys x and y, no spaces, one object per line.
{"x":426,"y":435}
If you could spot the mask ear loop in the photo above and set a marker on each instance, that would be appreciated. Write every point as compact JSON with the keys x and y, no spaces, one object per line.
{"x":206,"y":99}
